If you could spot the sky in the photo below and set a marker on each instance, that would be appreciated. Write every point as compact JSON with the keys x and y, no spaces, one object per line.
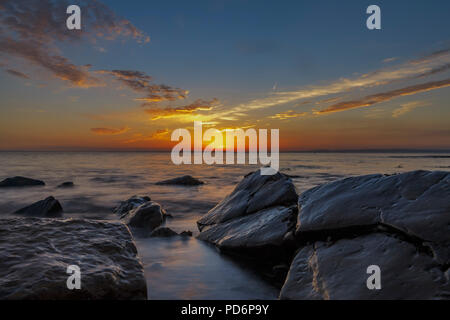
{"x":138,"y":70}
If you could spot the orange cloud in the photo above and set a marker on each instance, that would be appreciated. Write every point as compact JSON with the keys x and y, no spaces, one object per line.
{"x":385,"y":96}
{"x":289,"y":115}
{"x":31,"y":29}
{"x":109,"y":131}
{"x":140,"y":82}
{"x":157,"y":135}
{"x":198,"y":105}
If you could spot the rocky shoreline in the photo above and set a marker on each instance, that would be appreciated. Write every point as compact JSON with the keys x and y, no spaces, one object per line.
{"x":317,"y":245}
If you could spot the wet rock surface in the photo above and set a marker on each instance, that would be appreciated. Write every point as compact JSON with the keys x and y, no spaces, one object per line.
{"x":149,"y":215}
{"x":182,"y":181}
{"x":47,"y":208}
{"x":130,"y":204}
{"x":20,"y":182}
{"x":35,"y":254}
{"x":253,"y":194}
{"x":255,"y":222}
{"x":400,"y":223}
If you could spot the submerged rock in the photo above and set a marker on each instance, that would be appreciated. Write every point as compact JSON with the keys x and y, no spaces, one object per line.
{"x":163,"y":232}
{"x":149,"y":215}
{"x":20,"y":182}
{"x":182,"y":181}
{"x":47,"y":208}
{"x":35,"y":254}
{"x":130,"y":204}
{"x":256,"y":216}
{"x":68,"y":184}
{"x":400,"y":223}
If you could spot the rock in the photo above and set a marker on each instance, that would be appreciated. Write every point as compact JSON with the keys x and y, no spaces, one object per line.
{"x":182,"y":181}
{"x":339,"y":271}
{"x":254,"y":193}
{"x":186,"y":234}
{"x":163,"y":232}
{"x":20,"y":182}
{"x":400,"y":223}
{"x":68,"y":184}
{"x":47,"y":208}
{"x":35,"y":254}
{"x":254,"y":218}
{"x":264,"y":228}
{"x":149,"y":215}
{"x":130,"y":204}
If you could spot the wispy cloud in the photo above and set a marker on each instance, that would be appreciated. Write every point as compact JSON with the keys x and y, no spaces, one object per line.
{"x":31,"y":30}
{"x":385,"y":96}
{"x":161,"y":134}
{"x":289,"y":115}
{"x":431,"y":64}
{"x":17,"y":74}
{"x":407,"y":107}
{"x":140,"y":82}
{"x":109,"y":131}
{"x":198,"y":105}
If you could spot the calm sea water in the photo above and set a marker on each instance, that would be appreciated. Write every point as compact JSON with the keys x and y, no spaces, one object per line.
{"x":177,"y":268}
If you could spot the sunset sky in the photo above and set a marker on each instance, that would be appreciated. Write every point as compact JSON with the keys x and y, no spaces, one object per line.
{"x":140,"y":69}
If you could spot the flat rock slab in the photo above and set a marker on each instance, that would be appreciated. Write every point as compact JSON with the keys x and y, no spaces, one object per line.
{"x":400,"y":223}
{"x":20,"y":182}
{"x":416,"y":202}
{"x":35,"y":254}
{"x":339,"y":271}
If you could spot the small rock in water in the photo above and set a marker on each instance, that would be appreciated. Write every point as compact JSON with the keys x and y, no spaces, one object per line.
{"x":68,"y":184}
{"x":20,"y":182}
{"x":182,"y":181}
{"x":130,"y":204}
{"x":149,"y":215}
{"x":47,"y":208}
{"x":186,"y":234}
{"x":163,"y":232}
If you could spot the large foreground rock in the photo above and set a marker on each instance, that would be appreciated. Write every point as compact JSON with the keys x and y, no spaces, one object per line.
{"x":149,"y":215}
{"x":35,"y":254}
{"x":20,"y":182}
{"x":47,"y":208}
{"x":260,"y":213}
{"x":400,"y":223}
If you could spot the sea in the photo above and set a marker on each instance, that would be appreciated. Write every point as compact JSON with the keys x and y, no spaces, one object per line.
{"x":182,"y":268}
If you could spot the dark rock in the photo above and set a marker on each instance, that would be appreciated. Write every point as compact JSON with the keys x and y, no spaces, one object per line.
{"x":186,"y":234}
{"x":267,"y":227}
{"x":257,"y":215}
{"x":163,"y":232}
{"x":20,"y":182}
{"x":68,"y":184}
{"x":254,"y":193}
{"x":400,"y":223}
{"x":130,"y":204}
{"x":35,"y":254}
{"x":182,"y":181}
{"x":47,"y":208}
{"x":149,"y":215}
